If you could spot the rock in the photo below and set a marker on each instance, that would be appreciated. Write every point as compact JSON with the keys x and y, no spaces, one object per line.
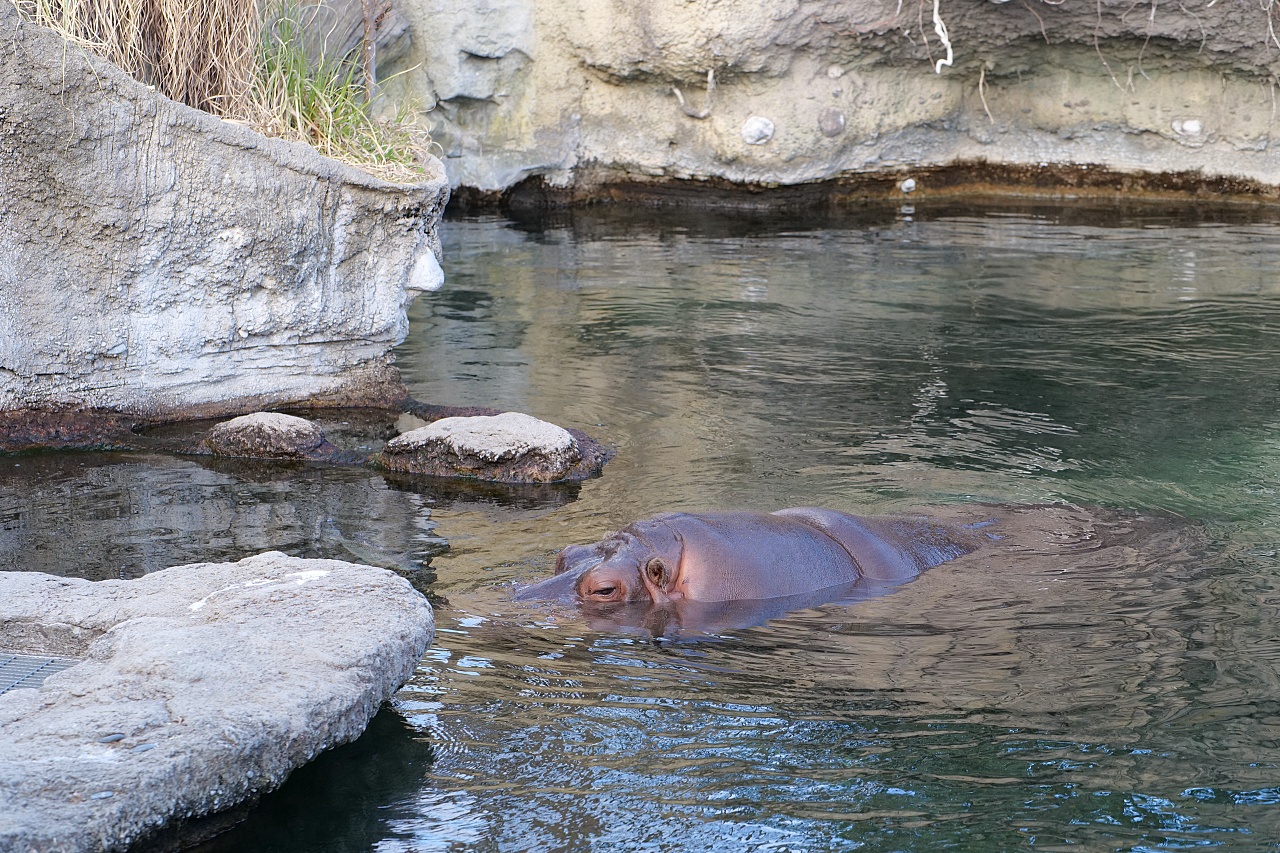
{"x":334,"y":31}
{"x":266,"y":435}
{"x":199,"y":686}
{"x":757,"y":130}
{"x":510,"y":447}
{"x":159,"y":262}
{"x":575,"y":97}
{"x":831,"y":122}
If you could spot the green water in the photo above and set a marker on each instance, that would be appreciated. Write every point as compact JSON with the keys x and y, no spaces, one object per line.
{"x":1079,"y":695}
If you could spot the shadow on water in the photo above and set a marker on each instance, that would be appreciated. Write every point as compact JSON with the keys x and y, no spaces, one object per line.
{"x":460,"y":493}
{"x":624,"y":221}
{"x":350,"y":798}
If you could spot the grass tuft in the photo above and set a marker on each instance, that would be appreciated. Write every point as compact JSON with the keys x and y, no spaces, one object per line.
{"x":246,"y":61}
{"x":322,"y":102}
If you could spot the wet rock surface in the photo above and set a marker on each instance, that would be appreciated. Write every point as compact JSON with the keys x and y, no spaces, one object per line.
{"x":513,"y":449}
{"x":199,"y":686}
{"x":268,"y":435}
{"x":509,"y":447}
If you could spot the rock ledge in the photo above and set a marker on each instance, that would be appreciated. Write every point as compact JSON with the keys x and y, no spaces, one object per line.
{"x":200,"y":686}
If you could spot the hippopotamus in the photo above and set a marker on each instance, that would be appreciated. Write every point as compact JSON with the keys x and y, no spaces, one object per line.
{"x":717,"y":570}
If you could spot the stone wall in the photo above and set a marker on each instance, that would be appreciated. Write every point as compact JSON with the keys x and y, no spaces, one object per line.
{"x":160,"y":262}
{"x":580,"y":94}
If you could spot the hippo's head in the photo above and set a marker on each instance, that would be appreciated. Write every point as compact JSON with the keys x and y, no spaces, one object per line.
{"x":715,"y":570}
{"x":640,"y":564}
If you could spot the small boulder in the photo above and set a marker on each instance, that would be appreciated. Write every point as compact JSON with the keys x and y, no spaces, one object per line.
{"x":266,"y":435}
{"x":510,"y":448}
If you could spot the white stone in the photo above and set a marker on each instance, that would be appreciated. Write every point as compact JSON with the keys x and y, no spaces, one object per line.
{"x":492,"y":438}
{"x":1188,"y":127}
{"x":757,"y":130}
{"x":908,"y":186}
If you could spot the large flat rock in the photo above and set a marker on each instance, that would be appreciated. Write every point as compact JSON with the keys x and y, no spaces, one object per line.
{"x":199,"y":686}
{"x":158,"y":261}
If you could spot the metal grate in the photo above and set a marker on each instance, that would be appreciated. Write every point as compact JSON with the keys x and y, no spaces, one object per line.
{"x":28,"y":670}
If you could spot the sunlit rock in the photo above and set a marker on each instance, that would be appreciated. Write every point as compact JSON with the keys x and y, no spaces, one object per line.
{"x":574,"y":95}
{"x":265,"y":435}
{"x":510,"y":447}
{"x":198,"y":687}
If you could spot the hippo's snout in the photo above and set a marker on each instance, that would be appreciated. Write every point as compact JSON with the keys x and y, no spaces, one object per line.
{"x":571,"y":564}
{"x":561,"y":587}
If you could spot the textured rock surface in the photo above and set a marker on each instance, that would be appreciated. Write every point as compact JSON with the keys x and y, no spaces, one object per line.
{"x":584,"y":93}
{"x":201,"y":685}
{"x":334,"y":30}
{"x":265,"y":435}
{"x":510,"y":447}
{"x":158,"y":261}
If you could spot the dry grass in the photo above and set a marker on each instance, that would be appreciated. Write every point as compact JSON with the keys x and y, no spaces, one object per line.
{"x":199,"y":52}
{"x":243,"y":60}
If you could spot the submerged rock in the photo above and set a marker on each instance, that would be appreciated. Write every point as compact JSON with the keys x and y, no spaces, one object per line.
{"x":510,"y":447}
{"x":199,"y":686}
{"x":267,"y":435}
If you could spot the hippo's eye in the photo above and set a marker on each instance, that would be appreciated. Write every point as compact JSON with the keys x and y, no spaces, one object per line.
{"x":604,"y":590}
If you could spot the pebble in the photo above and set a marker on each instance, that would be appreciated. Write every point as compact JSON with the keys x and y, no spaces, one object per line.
{"x":111,"y":738}
{"x":757,"y":130}
{"x":831,"y":122}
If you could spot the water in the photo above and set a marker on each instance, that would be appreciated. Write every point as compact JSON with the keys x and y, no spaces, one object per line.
{"x":1103,"y":685}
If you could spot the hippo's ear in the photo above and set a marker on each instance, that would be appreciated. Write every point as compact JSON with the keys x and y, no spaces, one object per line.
{"x":658,"y":573}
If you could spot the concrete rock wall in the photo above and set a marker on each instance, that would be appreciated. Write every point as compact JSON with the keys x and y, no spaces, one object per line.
{"x":581,"y":93}
{"x":157,"y":261}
